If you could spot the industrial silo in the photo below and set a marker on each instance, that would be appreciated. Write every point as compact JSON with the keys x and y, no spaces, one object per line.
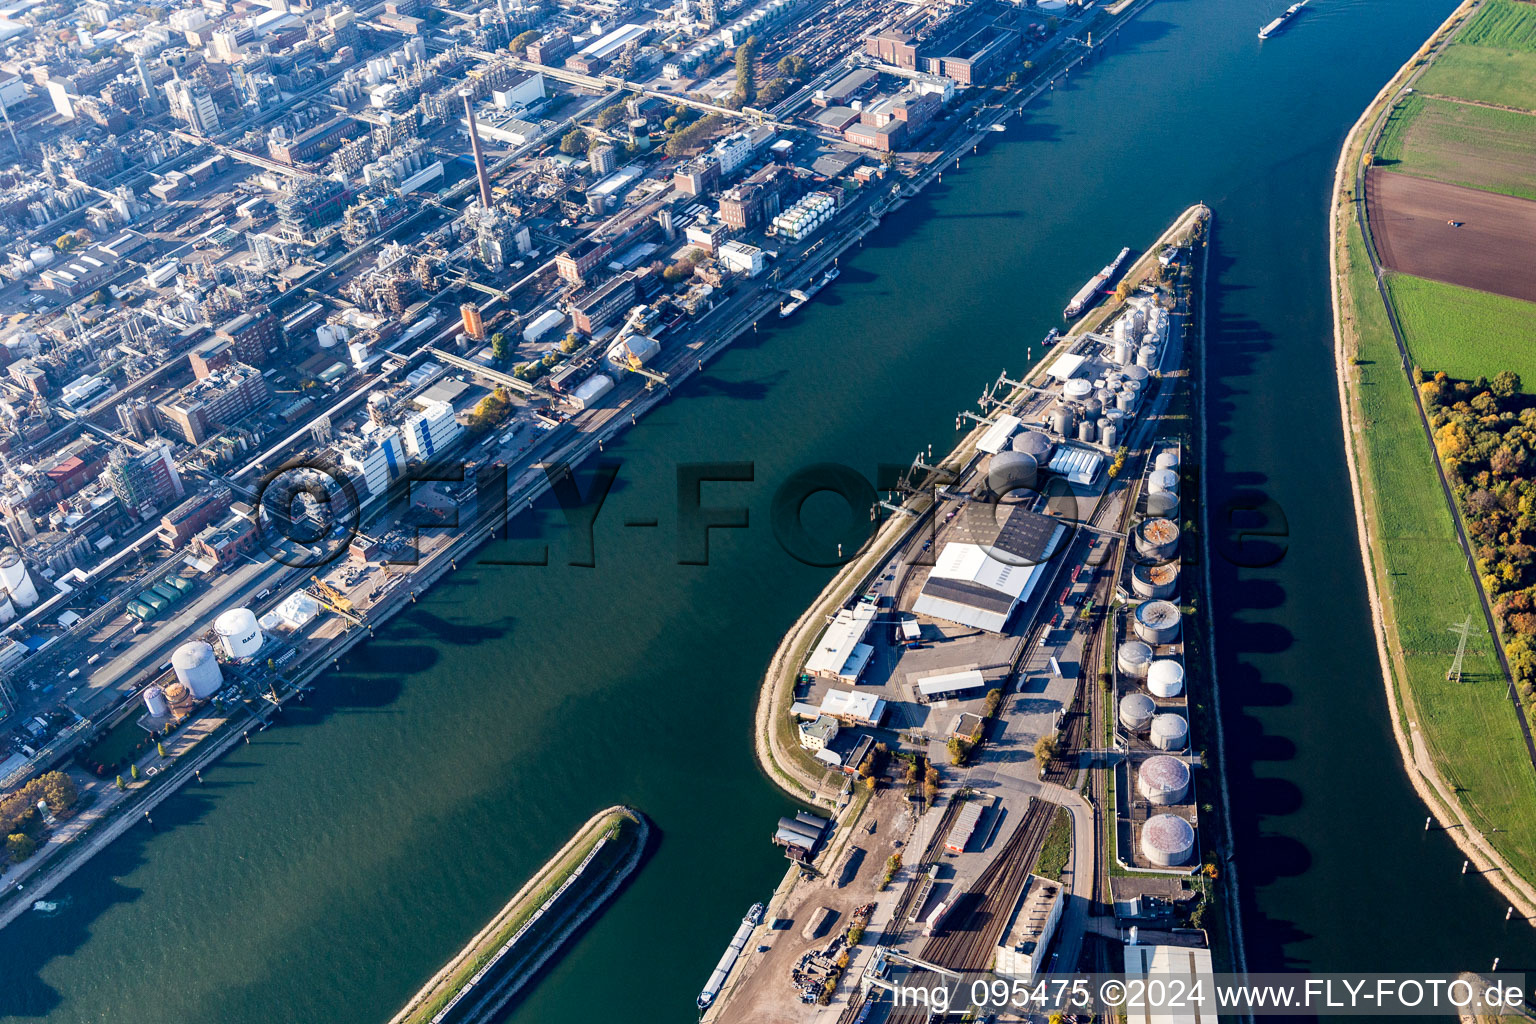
{"x":239,"y":633}
{"x":1093,"y":408}
{"x":1109,"y":434}
{"x":1011,"y":470}
{"x":7,"y":609}
{"x":155,"y":702}
{"x":1062,"y":420}
{"x":1125,"y":401}
{"x":1034,"y":444}
{"x":1157,"y":622}
{"x":1168,"y":459}
{"x":1123,"y":350}
{"x":1157,"y":539}
{"x":1169,"y":731}
{"x":1167,"y":840}
{"x":1160,"y":481}
{"x":1136,"y":711}
{"x":1146,"y":356}
{"x":1163,"y":780}
{"x":179,"y":698}
{"x":197,"y":669}
{"x":1155,"y":580}
{"x":1086,"y":432}
{"x":16,"y":580}
{"x":1165,"y":678}
{"x":1133,"y":658}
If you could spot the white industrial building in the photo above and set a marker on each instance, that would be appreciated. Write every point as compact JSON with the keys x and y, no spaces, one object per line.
{"x":741,"y":258}
{"x":841,"y":652}
{"x":968,"y":683}
{"x":1189,"y":964}
{"x":853,"y":708}
{"x":431,"y":432}
{"x":378,"y":459}
{"x":1021,"y":953}
{"x":979,"y":582}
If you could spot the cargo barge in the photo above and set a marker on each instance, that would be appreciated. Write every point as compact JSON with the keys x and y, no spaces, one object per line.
{"x":722,"y":970}
{"x":1278,"y":23}
{"x":1088,"y":294}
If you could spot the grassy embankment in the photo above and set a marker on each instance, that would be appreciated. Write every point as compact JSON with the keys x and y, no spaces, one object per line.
{"x":623,"y":829}
{"x":1465,"y":332}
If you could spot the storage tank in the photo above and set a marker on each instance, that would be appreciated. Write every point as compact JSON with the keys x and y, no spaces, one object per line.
{"x":1123,"y":351}
{"x":1146,"y":356}
{"x":1155,"y":580}
{"x":1093,"y":408}
{"x":41,"y":256}
{"x":16,"y":580}
{"x":1163,"y":780}
{"x":1134,"y":657}
{"x":1034,"y":444}
{"x":1157,"y":539}
{"x":179,"y":698}
{"x":1168,"y":459}
{"x":1167,"y":840}
{"x":1086,"y":432}
{"x":1109,"y":434}
{"x":1164,"y":504}
{"x":1011,"y":470}
{"x":1161,"y":480}
{"x":155,"y":702}
{"x":1169,"y":731}
{"x":1062,"y":420}
{"x":197,"y":669}
{"x":1165,"y":678}
{"x":7,"y":609}
{"x":1157,"y":622}
{"x":1077,"y":388}
{"x":1139,"y":374}
{"x":1125,"y":401}
{"x":1136,"y":711}
{"x":239,"y":633}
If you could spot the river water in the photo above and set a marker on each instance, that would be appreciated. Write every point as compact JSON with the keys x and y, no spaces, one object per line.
{"x":321,"y":873}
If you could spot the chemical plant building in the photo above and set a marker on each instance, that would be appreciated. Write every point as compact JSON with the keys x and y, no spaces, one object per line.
{"x":1021,"y":953}
{"x":980,"y":579}
{"x":222,"y":398}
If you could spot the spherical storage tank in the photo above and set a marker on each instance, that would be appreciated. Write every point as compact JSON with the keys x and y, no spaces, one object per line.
{"x":1165,"y":678}
{"x":1163,"y":780}
{"x":155,"y":702}
{"x":1154,"y":580}
{"x":197,"y":669}
{"x":1170,"y":731}
{"x":1167,"y":840}
{"x":1157,"y":622}
{"x":1136,"y":710}
{"x":1011,"y":470}
{"x":1033,"y":443}
{"x":1133,"y":658}
{"x":15,"y":579}
{"x":239,"y":632}
{"x":1157,"y":539}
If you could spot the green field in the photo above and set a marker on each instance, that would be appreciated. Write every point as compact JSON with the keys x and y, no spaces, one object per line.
{"x":1470,"y":727}
{"x":1484,"y":74}
{"x":1508,"y":24}
{"x":1462,"y":144}
{"x":1465,"y":332}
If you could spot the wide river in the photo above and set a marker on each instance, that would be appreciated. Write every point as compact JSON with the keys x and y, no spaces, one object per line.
{"x":321,"y":873}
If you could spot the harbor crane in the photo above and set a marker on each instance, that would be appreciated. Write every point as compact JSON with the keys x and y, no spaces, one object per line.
{"x":633,"y":325}
{"x":335,"y":600}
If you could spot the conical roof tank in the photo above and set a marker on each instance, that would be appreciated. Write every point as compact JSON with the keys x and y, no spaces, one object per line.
{"x":1169,"y":731}
{"x":1167,"y":840}
{"x":1033,"y":443}
{"x":1163,"y":780}
{"x":1134,"y":658}
{"x":1136,"y":711}
{"x":1157,"y":622}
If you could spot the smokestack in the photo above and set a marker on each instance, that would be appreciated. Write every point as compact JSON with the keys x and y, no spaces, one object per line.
{"x":474,"y":143}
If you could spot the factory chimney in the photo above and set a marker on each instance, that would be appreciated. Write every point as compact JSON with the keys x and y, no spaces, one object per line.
{"x":474,"y":143}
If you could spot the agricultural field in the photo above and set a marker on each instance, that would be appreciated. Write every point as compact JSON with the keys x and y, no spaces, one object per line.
{"x":1469,"y":727}
{"x":1479,"y":147}
{"x":1465,"y":332}
{"x":1507,"y":24}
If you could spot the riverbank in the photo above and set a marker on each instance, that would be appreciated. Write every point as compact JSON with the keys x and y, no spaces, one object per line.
{"x":544,"y":893}
{"x":1371,"y":377}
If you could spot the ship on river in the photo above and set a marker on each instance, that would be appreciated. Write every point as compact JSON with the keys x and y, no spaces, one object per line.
{"x":1089,"y":293}
{"x":1278,"y":23}
{"x":723,"y":968}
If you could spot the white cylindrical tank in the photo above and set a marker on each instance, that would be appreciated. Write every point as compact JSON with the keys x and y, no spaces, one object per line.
{"x":239,"y":632}
{"x":1157,"y":539}
{"x":1077,"y":388}
{"x":197,"y":669}
{"x":1155,"y":580}
{"x":1123,"y":351}
{"x":1161,"y":480}
{"x":155,"y":702}
{"x":16,"y":580}
{"x":1136,"y":711}
{"x":7,"y":609}
{"x":1165,"y":678}
{"x":1146,"y":356}
{"x":1133,"y":658}
{"x":325,"y":334}
{"x":1125,"y":401}
{"x":1163,"y":780}
{"x":1167,"y":840}
{"x":1157,"y":622}
{"x":1170,"y":731}
{"x":1168,"y":460}
{"x":1086,"y":432}
{"x":1109,"y":434}
{"x":1164,"y":504}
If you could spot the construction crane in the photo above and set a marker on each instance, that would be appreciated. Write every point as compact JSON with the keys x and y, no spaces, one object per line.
{"x":632,"y":325}
{"x":335,"y":600}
